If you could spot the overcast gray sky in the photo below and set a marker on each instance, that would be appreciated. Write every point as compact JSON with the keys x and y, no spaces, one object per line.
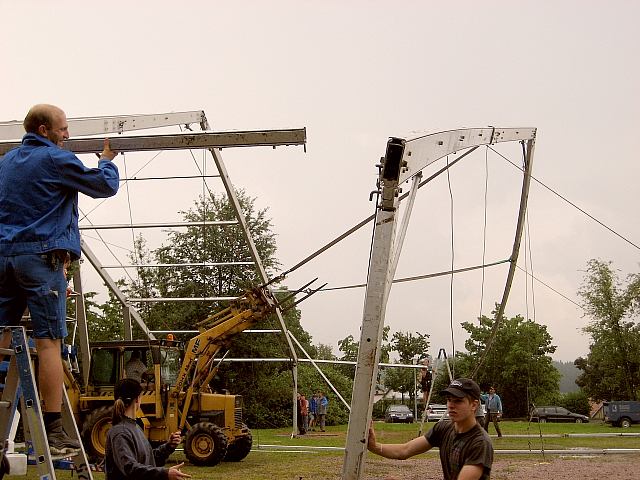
{"x":355,"y":73}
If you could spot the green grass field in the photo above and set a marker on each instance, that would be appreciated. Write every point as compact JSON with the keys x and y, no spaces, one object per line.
{"x":278,"y":456}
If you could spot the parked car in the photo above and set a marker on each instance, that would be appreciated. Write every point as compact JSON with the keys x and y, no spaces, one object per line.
{"x":398,"y":413}
{"x":556,"y":414}
{"x":621,"y":413}
{"x":435,"y":412}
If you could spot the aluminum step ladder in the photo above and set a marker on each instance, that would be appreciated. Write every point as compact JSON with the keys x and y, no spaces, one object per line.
{"x":20,"y":386}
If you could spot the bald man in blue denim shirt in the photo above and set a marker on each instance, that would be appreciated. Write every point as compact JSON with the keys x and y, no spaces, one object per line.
{"x":39,"y":236}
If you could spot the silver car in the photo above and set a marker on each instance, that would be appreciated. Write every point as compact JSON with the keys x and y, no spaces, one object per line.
{"x":398,"y":413}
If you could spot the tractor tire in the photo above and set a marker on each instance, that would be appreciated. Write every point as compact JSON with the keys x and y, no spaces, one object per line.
{"x":239,"y":449}
{"x":205,"y":444}
{"x":94,"y":432}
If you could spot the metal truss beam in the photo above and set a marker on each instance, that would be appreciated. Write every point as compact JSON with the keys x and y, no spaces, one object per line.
{"x":112,"y":124}
{"x":115,"y":226}
{"x":183,"y":141}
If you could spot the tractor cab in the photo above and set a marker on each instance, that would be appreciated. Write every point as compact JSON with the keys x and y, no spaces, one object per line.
{"x":149,"y":362}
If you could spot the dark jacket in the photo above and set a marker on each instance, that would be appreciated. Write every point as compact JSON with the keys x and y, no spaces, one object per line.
{"x":129,"y":455}
{"x":39,"y":185}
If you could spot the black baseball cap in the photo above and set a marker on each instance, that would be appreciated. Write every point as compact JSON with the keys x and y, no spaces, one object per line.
{"x":461,"y":387}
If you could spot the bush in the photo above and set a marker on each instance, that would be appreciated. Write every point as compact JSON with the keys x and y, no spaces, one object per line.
{"x":576,"y":402}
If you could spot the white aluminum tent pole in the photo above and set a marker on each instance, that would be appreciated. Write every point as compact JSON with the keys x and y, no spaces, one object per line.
{"x":115,"y":226}
{"x":378,"y":287}
{"x":402,"y":232}
{"x":181,"y":141}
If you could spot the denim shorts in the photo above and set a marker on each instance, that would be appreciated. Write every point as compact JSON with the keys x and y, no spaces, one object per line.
{"x":29,"y":281}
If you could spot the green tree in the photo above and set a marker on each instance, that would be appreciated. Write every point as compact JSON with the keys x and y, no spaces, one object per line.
{"x":265,"y":386}
{"x":210,"y":244}
{"x":518,"y":364}
{"x":324,"y":352}
{"x":409,"y":347}
{"x":611,"y":370}
{"x":349,"y":348}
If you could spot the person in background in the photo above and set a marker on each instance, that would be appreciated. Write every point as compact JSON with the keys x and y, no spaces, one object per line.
{"x":425,"y":381}
{"x":128,"y":454}
{"x":465,"y":448}
{"x":493,"y":405}
{"x":313,"y":412}
{"x":135,"y":368}
{"x":39,"y":235}
{"x":303,"y":411}
{"x":321,"y":409}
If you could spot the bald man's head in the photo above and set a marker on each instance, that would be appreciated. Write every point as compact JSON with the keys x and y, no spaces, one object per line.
{"x":47,"y":121}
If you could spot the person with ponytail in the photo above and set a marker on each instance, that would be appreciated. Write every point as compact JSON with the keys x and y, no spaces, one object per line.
{"x":128,"y":453}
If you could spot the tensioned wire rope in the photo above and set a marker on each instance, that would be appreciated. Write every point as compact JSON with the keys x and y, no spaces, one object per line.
{"x":85,"y":216}
{"x":602,"y":224}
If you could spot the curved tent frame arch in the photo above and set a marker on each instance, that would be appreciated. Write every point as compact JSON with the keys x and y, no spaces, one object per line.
{"x":405,"y":158}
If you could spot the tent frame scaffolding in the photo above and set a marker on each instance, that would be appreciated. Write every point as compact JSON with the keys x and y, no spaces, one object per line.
{"x":98,"y":128}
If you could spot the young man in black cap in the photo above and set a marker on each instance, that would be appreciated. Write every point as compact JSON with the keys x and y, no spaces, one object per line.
{"x":466,"y":452}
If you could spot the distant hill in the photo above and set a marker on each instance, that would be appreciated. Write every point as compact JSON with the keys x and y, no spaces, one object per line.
{"x":568,"y":374}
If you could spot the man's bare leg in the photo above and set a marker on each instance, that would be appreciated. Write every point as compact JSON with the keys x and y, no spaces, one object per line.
{"x":50,"y":373}
{"x":50,"y":385}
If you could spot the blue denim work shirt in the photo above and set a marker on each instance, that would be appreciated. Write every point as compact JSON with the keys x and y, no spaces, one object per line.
{"x":39,"y":185}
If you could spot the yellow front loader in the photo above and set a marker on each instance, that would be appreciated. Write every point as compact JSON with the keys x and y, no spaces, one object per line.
{"x":176,"y":392}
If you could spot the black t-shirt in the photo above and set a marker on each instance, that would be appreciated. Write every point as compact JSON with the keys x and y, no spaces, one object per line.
{"x":472,"y":447}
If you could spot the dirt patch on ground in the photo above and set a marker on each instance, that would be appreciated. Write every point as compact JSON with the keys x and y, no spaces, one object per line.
{"x":601,"y":467}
